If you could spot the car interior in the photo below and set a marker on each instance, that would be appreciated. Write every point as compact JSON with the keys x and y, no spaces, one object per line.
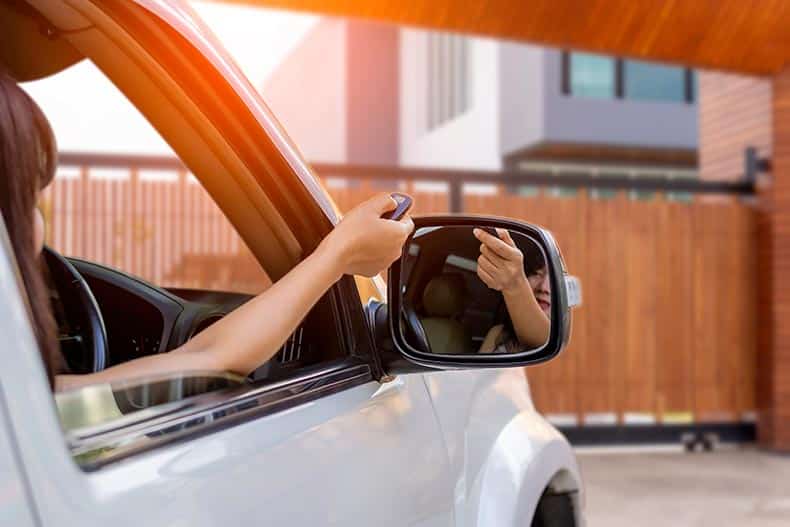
{"x":140,"y":318}
{"x":107,"y":316}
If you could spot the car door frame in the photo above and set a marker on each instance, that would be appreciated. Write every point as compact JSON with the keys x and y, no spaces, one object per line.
{"x":60,"y":484}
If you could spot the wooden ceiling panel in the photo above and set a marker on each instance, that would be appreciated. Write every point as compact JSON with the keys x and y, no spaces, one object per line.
{"x":747,"y":36}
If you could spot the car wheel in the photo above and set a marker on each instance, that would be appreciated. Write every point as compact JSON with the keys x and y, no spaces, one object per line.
{"x":554,"y":510}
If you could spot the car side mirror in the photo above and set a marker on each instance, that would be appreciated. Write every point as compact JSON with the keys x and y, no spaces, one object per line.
{"x":479,"y":292}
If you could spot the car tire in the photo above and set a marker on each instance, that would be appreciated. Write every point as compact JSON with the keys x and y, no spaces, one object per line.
{"x":554,"y":510}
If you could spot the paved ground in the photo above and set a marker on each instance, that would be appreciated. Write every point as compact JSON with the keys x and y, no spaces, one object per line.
{"x":729,"y":487}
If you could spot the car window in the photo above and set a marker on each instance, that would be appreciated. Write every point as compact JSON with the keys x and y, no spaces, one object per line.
{"x":150,"y":218}
{"x":99,"y":410}
{"x":105,"y":423}
{"x":95,"y":406}
{"x":122,"y":199}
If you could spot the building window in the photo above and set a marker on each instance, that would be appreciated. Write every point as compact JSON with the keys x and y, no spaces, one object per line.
{"x":603,"y":77}
{"x":691,"y":85}
{"x":448,"y":78}
{"x":592,"y":75}
{"x":656,"y":82}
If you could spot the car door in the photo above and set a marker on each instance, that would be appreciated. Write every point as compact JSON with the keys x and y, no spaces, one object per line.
{"x":346,"y":450}
{"x":330,"y":445}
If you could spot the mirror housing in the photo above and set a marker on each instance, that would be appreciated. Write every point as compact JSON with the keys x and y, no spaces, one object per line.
{"x":565,"y":294}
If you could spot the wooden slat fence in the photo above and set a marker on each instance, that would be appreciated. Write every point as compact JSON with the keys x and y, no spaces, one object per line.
{"x":666,"y":332}
{"x":667,"y":329}
{"x":161,"y":226}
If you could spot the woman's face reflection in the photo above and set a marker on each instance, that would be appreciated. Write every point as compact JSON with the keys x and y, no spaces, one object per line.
{"x":539,"y":281}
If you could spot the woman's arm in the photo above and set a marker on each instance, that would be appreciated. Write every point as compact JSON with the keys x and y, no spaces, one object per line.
{"x":531,"y":324}
{"x":362,"y":243}
{"x":501,"y":267}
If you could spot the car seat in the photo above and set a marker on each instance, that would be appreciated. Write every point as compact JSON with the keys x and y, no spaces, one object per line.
{"x":444,"y":299}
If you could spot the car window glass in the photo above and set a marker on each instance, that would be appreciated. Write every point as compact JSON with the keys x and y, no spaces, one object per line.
{"x":96,"y":405}
{"x":157,"y":222}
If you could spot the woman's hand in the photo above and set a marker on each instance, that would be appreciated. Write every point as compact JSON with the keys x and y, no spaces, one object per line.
{"x":365,"y":244}
{"x":501,"y":264}
{"x":501,"y":267}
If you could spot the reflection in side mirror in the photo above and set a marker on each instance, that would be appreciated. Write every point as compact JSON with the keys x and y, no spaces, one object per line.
{"x":468,"y":290}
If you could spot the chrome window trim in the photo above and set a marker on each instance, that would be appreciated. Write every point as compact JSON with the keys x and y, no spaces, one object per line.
{"x":208,"y":413}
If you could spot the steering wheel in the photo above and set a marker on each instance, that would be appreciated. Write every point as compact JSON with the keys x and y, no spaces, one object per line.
{"x":415,"y":333}
{"x":81,"y":312}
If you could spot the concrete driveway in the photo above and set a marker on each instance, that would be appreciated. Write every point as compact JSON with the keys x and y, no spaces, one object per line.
{"x":728,"y":487}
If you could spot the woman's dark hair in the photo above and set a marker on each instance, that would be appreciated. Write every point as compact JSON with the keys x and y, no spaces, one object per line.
{"x":534,"y":260}
{"x":28,"y":159}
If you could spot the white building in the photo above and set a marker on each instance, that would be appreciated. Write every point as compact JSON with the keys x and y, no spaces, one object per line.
{"x":366,"y":93}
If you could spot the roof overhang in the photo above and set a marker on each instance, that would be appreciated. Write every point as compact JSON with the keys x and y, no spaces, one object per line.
{"x":744,"y":36}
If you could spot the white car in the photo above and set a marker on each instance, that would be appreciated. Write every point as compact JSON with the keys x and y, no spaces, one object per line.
{"x":372,"y":415}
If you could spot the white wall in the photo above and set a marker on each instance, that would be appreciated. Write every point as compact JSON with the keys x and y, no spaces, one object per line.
{"x":522,"y":95}
{"x":307,"y":93}
{"x":471,"y":140}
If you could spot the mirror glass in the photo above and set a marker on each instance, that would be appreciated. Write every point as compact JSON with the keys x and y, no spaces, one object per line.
{"x":474,"y":290}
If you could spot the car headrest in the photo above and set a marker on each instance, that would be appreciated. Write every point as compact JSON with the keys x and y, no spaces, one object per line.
{"x":444,"y":296}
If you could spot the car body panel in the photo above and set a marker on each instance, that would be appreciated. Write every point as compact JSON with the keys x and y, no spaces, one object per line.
{"x":502,"y":453}
{"x":333,"y":463}
{"x":448,"y":448}
{"x":16,"y":507}
{"x":374,"y":451}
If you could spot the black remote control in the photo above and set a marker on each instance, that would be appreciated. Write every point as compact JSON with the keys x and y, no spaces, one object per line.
{"x":404,"y":204}
{"x":492,"y":231}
